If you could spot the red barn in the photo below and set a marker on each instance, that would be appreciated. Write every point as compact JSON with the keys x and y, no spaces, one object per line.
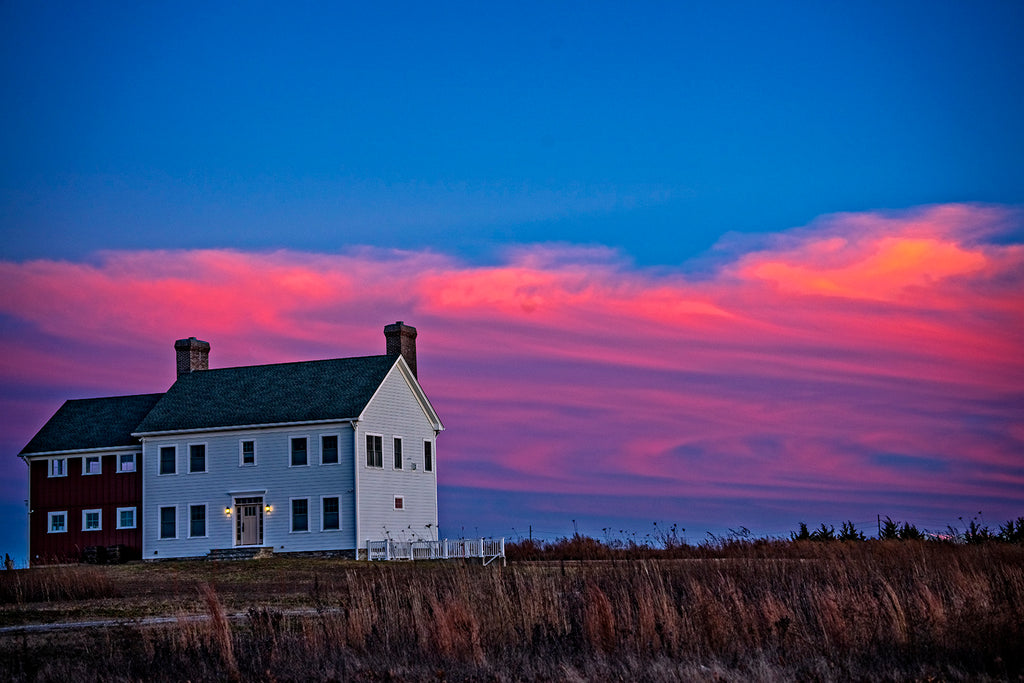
{"x":85,"y":481}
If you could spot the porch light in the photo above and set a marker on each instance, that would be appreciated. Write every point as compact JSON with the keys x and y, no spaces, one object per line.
{"x":268,"y":508}
{"x":227,"y":511}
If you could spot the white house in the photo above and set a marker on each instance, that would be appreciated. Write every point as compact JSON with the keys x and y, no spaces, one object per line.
{"x":296,"y":457}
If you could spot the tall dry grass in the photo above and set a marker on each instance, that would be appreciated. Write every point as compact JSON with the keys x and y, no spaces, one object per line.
{"x":870,"y":611}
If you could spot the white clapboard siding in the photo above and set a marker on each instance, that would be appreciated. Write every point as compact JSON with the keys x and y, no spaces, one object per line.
{"x":395,"y":411}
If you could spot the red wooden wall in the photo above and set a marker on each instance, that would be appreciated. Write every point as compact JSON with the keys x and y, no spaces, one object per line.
{"x":74,"y":493}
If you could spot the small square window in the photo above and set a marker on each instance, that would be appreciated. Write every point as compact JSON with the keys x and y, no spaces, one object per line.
{"x":169,"y":522}
{"x":168,"y":460}
{"x":58,"y":467}
{"x":299,"y":455}
{"x":197,"y":457}
{"x":248,"y":453}
{"x":300,"y":514}
{"x":125,"y":518}
{"x":329,"y":449}
{"x":126,"y":462}
{"x":399,"y":503}
{"x":57,"y":523}
{"x":91,"y":520}
{"x":93,"y":465}
{"x":197,"y":521}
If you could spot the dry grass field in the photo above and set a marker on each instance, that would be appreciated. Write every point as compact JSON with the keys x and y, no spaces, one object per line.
{"x":875,"y":610}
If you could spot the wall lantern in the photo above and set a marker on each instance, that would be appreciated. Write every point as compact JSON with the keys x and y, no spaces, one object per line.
{"x":268,"y":509}
{"x":227,"y":511}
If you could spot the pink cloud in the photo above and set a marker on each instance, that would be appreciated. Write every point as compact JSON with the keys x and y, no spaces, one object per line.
{"x":863,"y":359}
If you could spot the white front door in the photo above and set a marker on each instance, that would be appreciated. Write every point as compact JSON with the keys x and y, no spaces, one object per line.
{"x":249,"y":521}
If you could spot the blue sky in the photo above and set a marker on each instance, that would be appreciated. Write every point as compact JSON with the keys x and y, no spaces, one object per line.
{"x":666,"y":147}
{"x":464,"y":129}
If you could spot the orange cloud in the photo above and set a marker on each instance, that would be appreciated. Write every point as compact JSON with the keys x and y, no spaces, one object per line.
{"x":862,"y":360}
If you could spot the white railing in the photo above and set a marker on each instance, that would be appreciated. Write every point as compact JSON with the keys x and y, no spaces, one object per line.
{"x":487,"y":549}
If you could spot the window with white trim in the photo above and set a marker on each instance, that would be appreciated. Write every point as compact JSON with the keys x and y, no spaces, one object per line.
{"x":428,"y":456}
{"x":56,"y":522}
{"x":196,"y":457}
{"x":300,"y":451}
{"x":329,"y":449}
{"x":168,"y":460}
{"x":300,"y":514}
{"x":398,"y":453}
{"x":125,"y":518}
{"x":247,"y":453}
{"x":93,"y":464}
{"x":126,"y":462}
{"x":330,"y":513}
{"x":58,"y":468}
{"x":196,"y":521}
{"x":92,"y":520}
{"x":374,"y":450}
{"x":399,"y":502}
{"x":169,"y":522}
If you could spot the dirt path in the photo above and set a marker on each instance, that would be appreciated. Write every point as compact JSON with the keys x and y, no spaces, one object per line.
{"x":144,"y":621}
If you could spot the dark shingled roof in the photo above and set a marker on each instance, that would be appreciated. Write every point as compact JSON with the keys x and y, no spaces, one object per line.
{"x":269,"y":394}
{"x":86,"y":423}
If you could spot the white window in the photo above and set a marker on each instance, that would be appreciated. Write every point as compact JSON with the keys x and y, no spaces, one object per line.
{"x":398,"y":453}
{"x":196,"y":457}
{"x":196,"y":521}
{"x":126,"y":462}
{"x":330,"y":513}
{"x":168,"y":460}
{"x":169,"y":522}
{"x":300,"y":451}
{"x":374,"y":450}
{"x":93,"y":465}
{"x":92,"y":520}
{"x":300,"y":515}
{"x":399,"y":502}
{"x":428,"y":456}
{"x":58,"y":467}
{"x":329,"y":449}
{"x":125,"y":518}
{"x":57,"y":522}
{"x":246,"y":453}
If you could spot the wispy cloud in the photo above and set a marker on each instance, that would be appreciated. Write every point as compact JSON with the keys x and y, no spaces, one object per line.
{"x":868,"y":361}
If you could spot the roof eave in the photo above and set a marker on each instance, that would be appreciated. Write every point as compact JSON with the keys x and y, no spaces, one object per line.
{"x":104,"y":449}
{"x":229,"y":428}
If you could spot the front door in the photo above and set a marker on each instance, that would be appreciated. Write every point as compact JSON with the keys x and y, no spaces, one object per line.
{"x":249,"y":521}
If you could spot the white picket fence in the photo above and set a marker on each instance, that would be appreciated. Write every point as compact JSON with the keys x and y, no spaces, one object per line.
{"x":487,"y":549}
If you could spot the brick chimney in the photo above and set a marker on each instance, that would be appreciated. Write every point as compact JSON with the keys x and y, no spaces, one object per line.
{"x":401,"y":340}
{"x":193,"y":355}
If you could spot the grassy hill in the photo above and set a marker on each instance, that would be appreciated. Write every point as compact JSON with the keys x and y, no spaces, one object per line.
{"x":783,"y":610}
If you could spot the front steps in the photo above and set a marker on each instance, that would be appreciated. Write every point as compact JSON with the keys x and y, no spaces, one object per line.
{"x":245,"y":553}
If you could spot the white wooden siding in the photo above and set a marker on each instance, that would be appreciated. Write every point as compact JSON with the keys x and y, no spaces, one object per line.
{"x":395,"y":412}
{"x":224,"y":475}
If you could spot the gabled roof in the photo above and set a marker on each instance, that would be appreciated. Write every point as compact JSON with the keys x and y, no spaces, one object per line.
{"x":283,"y":393}
{"x":92,"y":423}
